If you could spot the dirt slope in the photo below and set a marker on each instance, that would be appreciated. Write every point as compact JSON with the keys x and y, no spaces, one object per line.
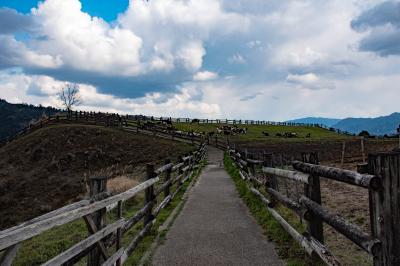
{"x":49,"y":168}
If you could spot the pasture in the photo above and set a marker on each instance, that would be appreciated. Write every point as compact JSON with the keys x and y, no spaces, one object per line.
{"x":255,"y":132}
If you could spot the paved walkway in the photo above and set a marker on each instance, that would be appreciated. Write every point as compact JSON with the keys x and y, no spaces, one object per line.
{"x":215,"y":227}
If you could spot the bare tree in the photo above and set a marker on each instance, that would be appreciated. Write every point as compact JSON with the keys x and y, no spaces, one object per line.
{"x":69,"y":96}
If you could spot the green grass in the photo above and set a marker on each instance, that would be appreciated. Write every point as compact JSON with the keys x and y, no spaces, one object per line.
{"x":49,"y":244}
{"x":254,"y":132}
{"x":287,"y":248}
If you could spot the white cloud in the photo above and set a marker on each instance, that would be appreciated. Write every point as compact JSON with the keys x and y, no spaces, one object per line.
{"x":310,"y":81}
{"x":274,"y":54}
{"x":205,"y":76}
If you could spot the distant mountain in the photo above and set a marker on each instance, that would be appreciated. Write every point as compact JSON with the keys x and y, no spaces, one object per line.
{"x":376,"y":126}
{"x":316,"y":120}
{"x":14,"y":117}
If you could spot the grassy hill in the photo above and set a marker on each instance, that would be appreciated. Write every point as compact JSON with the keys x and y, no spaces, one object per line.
{"x":254,"y":132}
{"x":48,"y":168}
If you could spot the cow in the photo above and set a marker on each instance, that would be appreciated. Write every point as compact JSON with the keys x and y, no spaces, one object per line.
{"x":308,"y":135}
{"x":265,"y":134}
{"x":195,"y":121}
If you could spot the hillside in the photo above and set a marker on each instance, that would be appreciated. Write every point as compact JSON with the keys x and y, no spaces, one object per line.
{"x":49,"y":168}
{"x":316,"y":120}
{"x":14,"y":117}
{"x":377,"y":126}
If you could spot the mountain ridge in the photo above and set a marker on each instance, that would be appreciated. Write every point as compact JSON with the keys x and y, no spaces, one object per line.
{"x":381,"y":125}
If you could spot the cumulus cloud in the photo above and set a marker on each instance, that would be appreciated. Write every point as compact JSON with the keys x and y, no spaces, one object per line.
{"x":161,"y":40}
{"x":310,"y":81}
{"x":38,"y":89}
{"x":226,"y":58}
{"x":382,"y":24}
{"x":205,"y":76}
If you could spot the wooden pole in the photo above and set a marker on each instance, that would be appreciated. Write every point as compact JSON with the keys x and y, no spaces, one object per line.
{"x":343,"y":152}
{"x":362,"y":149}
{"x":167,"y":178}
{"x":119,"y":233}
{"x":97,"y":185}
{"x":398,"y":131}
{"x":149,"y":194}
{"x":385,"y":207}
{"x":312,"y":190}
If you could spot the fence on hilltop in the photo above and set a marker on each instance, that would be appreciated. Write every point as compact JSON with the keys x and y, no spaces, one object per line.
{"x":111,"y":119}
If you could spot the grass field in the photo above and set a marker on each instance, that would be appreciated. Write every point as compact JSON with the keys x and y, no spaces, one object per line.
{"x":254,"y":132}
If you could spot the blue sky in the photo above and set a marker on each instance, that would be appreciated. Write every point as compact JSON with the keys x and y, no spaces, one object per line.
{"x":250,"y":59}
{"x":106,"y":9}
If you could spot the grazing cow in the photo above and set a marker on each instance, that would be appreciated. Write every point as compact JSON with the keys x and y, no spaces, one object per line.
{"x":195,"y":121}
{"x":211,"y":133}
{"x":166,"y":122}
{"x":290,"y":135}
{"x":265,"y":134}
{"x":278,"y":134}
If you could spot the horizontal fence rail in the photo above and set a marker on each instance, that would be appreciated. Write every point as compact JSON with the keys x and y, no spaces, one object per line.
{"x":93,"y":210}
{"x":382,"y":179}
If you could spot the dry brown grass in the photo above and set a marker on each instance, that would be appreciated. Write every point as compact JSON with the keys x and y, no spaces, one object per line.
{"x":120,"y":184}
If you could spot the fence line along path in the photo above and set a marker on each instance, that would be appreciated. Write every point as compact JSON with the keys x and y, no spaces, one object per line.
{"x":215,"y":227}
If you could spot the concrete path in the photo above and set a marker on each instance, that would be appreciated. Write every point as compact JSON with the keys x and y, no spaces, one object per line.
{"x":215,"y":227}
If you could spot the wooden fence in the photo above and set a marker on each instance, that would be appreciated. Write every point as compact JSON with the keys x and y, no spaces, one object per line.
{"x":97,"y":247}
{"x":108,"y":120}
{"x":382,"y":182}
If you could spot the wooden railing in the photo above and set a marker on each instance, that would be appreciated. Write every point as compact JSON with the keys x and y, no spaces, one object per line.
{"x":382,"y":182}
{"x":97,"y":246}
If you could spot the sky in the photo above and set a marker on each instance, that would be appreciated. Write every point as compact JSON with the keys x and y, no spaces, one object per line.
{"x":237,"y":59}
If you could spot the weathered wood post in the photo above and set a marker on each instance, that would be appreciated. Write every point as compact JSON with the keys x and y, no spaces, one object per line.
{"x":216,"y":141}
{"x":180,"y":171}
{"x":312,"y":190}
{"x":385,"y":207}
{"x":268,"y":161}
{"x":149,"y":194}
{"x":119,"y":233}
{"x":167,"y":178}
{"x":362,"y":149}
{"x":97,"y":185}
{"x":343,"y":153}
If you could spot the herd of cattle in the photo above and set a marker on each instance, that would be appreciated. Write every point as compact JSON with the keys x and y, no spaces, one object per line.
{"x":166,"y":125}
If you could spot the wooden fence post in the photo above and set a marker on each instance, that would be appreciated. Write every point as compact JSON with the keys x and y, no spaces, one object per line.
{"x":167,"y":178}
{"x":268,"y":161}
{"x":362,"y":149}
{"x":180,"y":171}
{"x":149,"y":194}
{"x":343,"y":153}
{"x":312,"y":190}
{"x":385,"y":207}
{"x":97,"y":185}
